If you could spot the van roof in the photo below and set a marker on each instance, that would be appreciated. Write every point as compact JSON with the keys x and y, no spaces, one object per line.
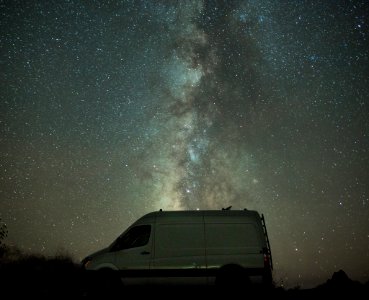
{"x":174,"y":214}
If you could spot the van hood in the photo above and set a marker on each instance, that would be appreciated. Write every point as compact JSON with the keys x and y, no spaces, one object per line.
{"x":94,"y":254}
{"x":104,"y":250}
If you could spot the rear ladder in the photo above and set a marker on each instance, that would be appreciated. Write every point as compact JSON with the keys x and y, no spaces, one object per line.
{"x":267,"y":240}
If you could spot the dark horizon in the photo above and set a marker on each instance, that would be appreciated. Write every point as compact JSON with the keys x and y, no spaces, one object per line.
{"x":110,"y":110}
{"x":17,"y":266}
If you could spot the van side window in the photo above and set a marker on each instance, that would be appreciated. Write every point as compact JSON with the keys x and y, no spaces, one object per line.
{"x":137,"y":236}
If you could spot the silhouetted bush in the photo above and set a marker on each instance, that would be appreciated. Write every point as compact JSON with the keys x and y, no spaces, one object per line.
{"x":3,"y":235}
{"x":30,"y":275}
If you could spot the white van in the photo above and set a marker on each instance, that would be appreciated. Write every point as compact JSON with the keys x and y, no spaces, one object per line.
{"x":203,"y":247}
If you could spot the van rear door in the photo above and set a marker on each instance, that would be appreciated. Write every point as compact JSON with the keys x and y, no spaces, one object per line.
{"x":233,"y":241}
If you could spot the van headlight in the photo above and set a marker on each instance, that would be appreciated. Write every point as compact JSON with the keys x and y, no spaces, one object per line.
{"x":86,"y":262}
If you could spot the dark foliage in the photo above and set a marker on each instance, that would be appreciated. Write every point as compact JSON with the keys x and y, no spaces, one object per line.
{"x":3,"y":232}
{"x":59,"y":277}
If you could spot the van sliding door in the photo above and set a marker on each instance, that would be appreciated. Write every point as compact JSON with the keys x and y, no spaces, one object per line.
{"x":179,"y":254}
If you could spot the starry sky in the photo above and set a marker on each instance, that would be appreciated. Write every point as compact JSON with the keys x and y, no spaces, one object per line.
{"x":112,"y":109}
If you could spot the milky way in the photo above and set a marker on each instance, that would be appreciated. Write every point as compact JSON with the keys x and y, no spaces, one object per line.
{"x":110,"y":110}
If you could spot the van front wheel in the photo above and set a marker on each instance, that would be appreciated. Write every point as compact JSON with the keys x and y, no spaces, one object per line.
{"x":109,"y":281}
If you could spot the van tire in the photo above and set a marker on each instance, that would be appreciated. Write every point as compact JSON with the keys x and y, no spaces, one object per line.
{"x":232,"y":276}
{"x":109,"y":281}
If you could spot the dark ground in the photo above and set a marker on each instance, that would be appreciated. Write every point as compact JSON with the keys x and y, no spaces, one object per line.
{"x":61,"y":278}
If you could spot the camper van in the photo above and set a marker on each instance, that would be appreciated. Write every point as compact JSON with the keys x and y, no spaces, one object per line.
{"x":200,"y":247}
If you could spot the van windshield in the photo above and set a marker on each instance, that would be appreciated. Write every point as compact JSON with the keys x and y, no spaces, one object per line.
{"x":137,"y":236}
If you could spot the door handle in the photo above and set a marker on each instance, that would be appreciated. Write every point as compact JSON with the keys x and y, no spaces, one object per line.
{"x":145,"y":252}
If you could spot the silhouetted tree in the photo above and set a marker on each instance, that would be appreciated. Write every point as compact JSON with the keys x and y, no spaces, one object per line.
{"x":3,"y":235}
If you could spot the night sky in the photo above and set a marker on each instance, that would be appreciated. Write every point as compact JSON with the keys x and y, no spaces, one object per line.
{"x":112,"y":109}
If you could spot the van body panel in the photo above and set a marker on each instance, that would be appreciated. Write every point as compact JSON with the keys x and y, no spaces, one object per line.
{"x":133,"y":259}
{"x":179,"y":247}
{"x":103,"y":260}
